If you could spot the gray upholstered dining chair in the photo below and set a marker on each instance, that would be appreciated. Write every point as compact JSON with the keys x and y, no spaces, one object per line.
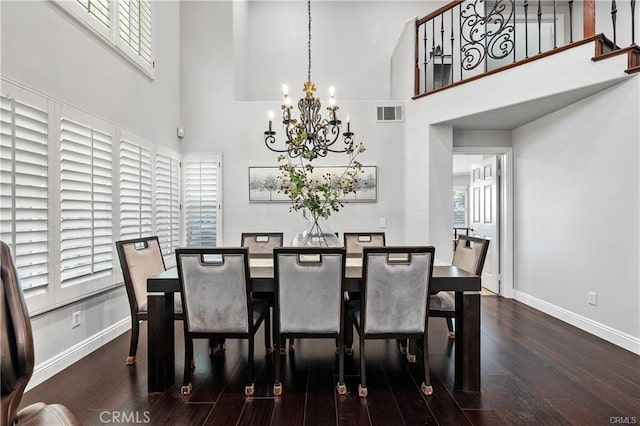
{"x":355,"y":242}
{"x":394,"y":299}
{"x":140,"y":258}
{"x":217,"y":302}
{"x":469,"y":255}
{"x":309,"y":283}
{"x":261,"y":245}
{"x":18,"y":355}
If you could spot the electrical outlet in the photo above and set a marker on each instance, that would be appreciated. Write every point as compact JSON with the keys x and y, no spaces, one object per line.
{"x":383,"y":222}
{"x":593,"y":298}
{"x":75,"y":319}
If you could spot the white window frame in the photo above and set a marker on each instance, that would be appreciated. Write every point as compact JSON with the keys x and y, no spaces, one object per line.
{"x":111,"y":35}
{"x":199,"y":157}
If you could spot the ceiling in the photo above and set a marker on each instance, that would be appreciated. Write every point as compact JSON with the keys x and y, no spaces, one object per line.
{"x":462,"y":163}
{"x":514,"y":116}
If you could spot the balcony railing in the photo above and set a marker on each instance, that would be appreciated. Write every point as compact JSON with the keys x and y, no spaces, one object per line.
{"x":468,"y":38}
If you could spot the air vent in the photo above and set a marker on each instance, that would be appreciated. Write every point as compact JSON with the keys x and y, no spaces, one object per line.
{"x":390,"y":113}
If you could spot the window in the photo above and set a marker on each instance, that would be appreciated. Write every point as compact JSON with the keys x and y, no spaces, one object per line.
{"x":167,"y":196}
{"x":202,"y":199}
{"x":24,"y":187}
{"x":86,"y":203}
{"x":99,"y":9}
{"x":460,"y":207}
{"x":134,"y":26}
{"x":135,"y":190}
{"x":125,"y":25}
{"x":69,"y":181}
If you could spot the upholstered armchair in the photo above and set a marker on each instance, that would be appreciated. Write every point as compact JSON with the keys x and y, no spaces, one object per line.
{"x":18,"y":356}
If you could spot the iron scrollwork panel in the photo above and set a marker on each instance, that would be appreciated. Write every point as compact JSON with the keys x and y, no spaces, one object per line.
{"x":487,"y":29}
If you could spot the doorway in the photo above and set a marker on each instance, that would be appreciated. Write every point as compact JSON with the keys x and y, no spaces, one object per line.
{"x":483,"y":208}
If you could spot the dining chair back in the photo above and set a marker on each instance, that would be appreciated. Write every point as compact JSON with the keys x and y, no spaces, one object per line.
{"x":140,"y":258}
{"x":469,"y":255}
{"x":395,"y":295}
{"x":309,"y":283}
{"x":216,"y":301}
{"x":355,"y":242}
{"x":18,"y":355}
{"x":261,"y":245}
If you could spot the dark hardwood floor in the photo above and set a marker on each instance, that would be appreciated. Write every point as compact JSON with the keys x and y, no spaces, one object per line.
{"x":535,"y":370}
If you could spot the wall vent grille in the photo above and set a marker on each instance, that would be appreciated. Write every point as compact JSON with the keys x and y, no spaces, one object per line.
{"x":389,"y":113}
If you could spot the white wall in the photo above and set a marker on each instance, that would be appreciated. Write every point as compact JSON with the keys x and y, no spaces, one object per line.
{"x":215,"y":121}
{"x":426,"y":143}
{"x":351,"y":44}
{"x":481,"y":138}
{"x":576,"y":208}
{"x":46,"y":50}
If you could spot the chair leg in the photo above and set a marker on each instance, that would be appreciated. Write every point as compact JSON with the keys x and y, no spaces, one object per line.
{"x":402,"y":346}
{"x":341,"y":387}
{"x":348,"y":335}
{"x":451,"y":334}
{"x":277,"y":385}
{"x":267,"y":332}
{"x":410,"y":357}
{"x":133,"y":347}
{"x":362,"y":388}
{"x":188,"y":357}
{"x":248,"y":390}
{"x":426,"y":387}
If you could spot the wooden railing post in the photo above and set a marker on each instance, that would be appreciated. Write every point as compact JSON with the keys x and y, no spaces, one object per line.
{"x":589,"y":18}
{"x":416,"y":75}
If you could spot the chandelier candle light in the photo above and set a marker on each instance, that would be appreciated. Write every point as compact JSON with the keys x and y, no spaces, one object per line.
{"x":307,"y":138}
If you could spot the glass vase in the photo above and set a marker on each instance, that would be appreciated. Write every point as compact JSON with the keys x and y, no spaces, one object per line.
{"x":316,"y":234}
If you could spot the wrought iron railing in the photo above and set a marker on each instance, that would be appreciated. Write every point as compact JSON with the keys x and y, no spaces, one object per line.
{"x":468,"y":38}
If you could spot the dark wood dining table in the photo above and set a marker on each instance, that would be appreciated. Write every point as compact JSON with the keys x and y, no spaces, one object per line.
{"x":467,"y":286}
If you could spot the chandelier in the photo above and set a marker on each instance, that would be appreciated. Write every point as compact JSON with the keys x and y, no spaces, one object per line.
{"x":310,"y":136}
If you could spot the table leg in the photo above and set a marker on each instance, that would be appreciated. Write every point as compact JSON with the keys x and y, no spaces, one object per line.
{"x":160,"y":344}
{"x":467,"y":347}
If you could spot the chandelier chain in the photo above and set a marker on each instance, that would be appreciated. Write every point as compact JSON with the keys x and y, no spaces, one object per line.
{"x":309,"y":42}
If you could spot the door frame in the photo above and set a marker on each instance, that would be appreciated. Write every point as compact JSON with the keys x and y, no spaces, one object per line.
{"x":506,"y":225}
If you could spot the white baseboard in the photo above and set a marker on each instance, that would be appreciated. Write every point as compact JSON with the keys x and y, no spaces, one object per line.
{"x":605,"y":332}
{"x":52,"y":366}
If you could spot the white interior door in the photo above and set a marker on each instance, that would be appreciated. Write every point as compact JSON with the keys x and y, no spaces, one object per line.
{"x":483,"y":191}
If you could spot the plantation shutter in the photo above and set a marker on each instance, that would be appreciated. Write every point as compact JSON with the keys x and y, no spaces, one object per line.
{"x":100,"y":9}
{"x":167,"y":203}
{"x":202,"y":205}
{"x":85,"y":202}
{"x":135,"y":191}
{"x":134,"y":26}
{"x":24,"y":189}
